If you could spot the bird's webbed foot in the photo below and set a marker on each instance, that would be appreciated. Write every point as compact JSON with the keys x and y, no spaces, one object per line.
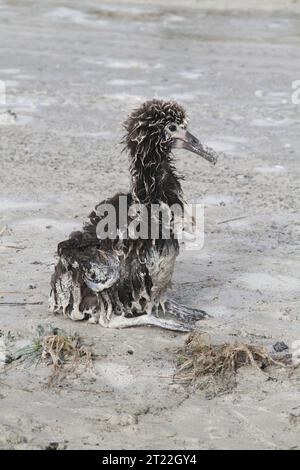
{"x":167,"y":324}
{"x":149,"y":320}
{"x":185,"y":314}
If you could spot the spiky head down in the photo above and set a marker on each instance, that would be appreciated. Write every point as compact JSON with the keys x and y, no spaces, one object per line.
{"x":145,"y":126}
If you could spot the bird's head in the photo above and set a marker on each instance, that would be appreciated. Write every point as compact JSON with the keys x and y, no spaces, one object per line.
{"x":156,"y":127}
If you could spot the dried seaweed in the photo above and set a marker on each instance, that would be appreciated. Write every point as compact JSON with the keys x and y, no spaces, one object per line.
{"x":62,"y":351}
{"x":214,"y":367}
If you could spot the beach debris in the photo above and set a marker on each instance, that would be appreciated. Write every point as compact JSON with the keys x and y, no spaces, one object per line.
{"x":8,"y":117}
{"x":5,"y":357}
{"x":56,"y":445}
{"x":64,"y":352}
{"x":280,"y":346}
{"x":233,"y":220}
{"x":3,"y":230}
{"x":13,"y":304}
{"x":213,"y":366}
{"x":14,"y":247}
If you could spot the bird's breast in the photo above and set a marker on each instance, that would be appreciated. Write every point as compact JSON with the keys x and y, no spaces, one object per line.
{"x":160,"y":264}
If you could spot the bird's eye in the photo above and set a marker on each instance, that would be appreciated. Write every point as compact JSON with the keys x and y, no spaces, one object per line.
{"x":172,"y":128}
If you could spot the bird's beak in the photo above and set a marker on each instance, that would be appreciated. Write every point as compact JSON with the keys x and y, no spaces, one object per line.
{"x":184,"y":139}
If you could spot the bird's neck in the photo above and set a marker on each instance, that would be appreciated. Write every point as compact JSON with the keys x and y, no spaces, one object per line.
{"x":154,"y":179}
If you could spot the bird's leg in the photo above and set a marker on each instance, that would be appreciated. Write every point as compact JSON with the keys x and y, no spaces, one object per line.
{"x":75,"y":313}
{"x":183,"y":313}
{"x":146,"y":320}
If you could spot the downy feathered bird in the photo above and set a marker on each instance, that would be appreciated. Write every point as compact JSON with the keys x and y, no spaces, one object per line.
{"x":121,"y":281}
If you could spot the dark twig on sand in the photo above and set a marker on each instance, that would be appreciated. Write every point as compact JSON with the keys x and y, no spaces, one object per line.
{"x":21,"y":303}
{"x":14,"y":247}
{"x":233,"y":220}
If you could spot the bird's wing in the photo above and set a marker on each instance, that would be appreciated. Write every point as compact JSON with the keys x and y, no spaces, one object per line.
{"x":93,"y":260}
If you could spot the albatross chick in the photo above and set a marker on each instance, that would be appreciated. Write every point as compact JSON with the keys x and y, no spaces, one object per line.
{"x":118,"y":278}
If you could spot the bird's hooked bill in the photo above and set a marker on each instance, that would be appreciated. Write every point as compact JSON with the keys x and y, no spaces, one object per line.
{"x":184,"y":139}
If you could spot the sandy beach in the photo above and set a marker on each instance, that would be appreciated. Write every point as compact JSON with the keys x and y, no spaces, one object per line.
{"x":72,"y":71}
